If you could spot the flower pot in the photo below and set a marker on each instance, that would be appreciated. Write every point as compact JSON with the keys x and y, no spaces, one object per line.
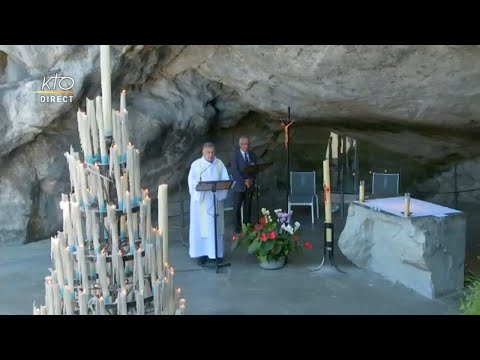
{"x":274,"y":264}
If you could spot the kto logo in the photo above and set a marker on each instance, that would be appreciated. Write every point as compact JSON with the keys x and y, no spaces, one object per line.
{"x":56,"y":89}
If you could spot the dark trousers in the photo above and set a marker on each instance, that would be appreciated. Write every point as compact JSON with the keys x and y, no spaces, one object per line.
{"x":242,"y":198}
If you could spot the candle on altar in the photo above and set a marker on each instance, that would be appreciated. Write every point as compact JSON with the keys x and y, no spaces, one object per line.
{"x":123,"y":100}
{"x":361,"y":195}
{"x":327,"y":197}
{"x":163,"y":218}
{"x":105,"y":72}
{"x":406,"y":210}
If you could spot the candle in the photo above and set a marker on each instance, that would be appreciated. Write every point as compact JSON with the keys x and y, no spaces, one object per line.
{"x":83,"y":185}
{"x":83,"y":302}
{"x":178,"y":296}
{"x":36,"y":310}
{"x":101,"y":306}
{"x":140,"y":302}
{"x":153,"y":261}
{"x":148,"y":219}
{"x":49,"y":302}
{"x":67,"y":300}
{"x":361,"y":195}
{"x":77,"y":224}
{"x":116,"y":171}
{"x":123,"y":100}
{"x":95,"y":236}
{"x":43,"y":310}
{"x":124,"y":131}
{"x":122,"y":302}
{"x":112,"y":220}
{"x":124,"y":185}
{"x":83,"y":266}
{"x":131,"y":239}
{"x":102,"y":273}
{"x":105,"y":71}
{"x":159,"y":252}
{"x":57,"y":299}
{"x":92,"y":124}
{"x":163,"y":217}
{"x":141,"y":277}
{"x":121,"y":270}
{"x":57,"y":257}
{"x":157,"y":289}
{"x":137,"y":175}
{"x":88,"y":152}
{"x":182,"y":309}
{"x":141,"y":231}
{"x":99,"y":188}
{"x":406,"y":211}
{"x":101,"y":130}
{"x":327,"y":194}
{"x":69,"y":266}
{"x":130,"y":171}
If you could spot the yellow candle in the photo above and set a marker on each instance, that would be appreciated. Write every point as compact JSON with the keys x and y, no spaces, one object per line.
{"x":361,"y":196}
{"x":406,"y":211}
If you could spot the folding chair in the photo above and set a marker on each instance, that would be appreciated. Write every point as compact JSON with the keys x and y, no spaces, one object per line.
{"x":303,"y":191}
{"x":385,"y":183}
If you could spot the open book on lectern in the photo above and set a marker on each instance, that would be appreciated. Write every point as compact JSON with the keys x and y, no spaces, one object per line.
{"x":215,"y":185}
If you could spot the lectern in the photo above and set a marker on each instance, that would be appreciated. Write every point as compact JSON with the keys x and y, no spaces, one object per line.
{"x":213,"y":186}
{"x":257,"y":169}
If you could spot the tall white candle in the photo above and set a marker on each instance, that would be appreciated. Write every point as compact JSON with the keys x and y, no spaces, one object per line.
{"x":117,"y":139}
{"x":92,"y":122}
{"x":83,"y":185}
{"x":131,"y":239}
{"x":77,"y":224}
{"x":83,"y":302}
{"x":124,"y":129}
{"x":101,"y":130}
{"x":49,"y":302}
{"x":148,"y":218}
{"x":95,"y":236}
{"x":327,"y":194}
{"x":69,"y":266}
{"x":116,"y":171}
{"x":153,"y":262}
{"x":123,"y":100}
{"x":121,"y":270}
{"x":57,"y":257}
{"x":141,"y":277}
{"x":140,"y":302}
{"x":83,"y":266}
{"x":101,"y":306}
{"x":102,"y":273}
{"x":122,"y":302}
{"x":105,"y":71}
{"x":157,"y":292}
{"x":112,"y":219}
{"x":88,"y":152}
{"x":57,"y":299}
{"x":67,"y":300}
{"x":137,"y":175}
{"x":163,"y":217}
{"x":159,"y":252}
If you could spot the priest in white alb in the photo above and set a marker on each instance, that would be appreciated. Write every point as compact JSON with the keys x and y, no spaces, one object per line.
{"x":202,"y":222}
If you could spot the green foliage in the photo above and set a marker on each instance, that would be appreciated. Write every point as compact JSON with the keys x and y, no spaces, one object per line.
{"x":471,"y":304}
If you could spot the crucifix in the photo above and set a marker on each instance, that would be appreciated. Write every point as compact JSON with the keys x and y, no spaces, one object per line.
{"x":286,"y":125}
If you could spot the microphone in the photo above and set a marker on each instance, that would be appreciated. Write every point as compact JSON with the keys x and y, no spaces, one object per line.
{"x":206,"y":169}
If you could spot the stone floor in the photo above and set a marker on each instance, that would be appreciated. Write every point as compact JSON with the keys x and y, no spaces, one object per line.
{"x":244,"y":288}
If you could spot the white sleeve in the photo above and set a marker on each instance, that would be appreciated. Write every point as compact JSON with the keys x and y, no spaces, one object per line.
{"x":192,"y":184}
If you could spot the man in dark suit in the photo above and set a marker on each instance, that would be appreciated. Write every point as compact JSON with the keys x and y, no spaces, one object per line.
{"x":243,"y":189}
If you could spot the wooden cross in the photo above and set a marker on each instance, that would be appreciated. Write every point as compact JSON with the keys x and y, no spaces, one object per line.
{"x":286,"y":125}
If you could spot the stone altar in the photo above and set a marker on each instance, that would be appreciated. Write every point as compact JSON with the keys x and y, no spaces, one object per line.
{"x":424,"y":252}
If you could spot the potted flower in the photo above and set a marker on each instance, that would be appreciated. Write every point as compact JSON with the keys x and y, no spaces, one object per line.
{"x":271,"y":240}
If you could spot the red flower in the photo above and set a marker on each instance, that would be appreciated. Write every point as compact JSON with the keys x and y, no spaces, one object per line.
{"x":308,"y":245}
{"x":263,"y":220}
{"x":263,"y":237}
{"x":234,"y":238}
{"x":272,"y":235}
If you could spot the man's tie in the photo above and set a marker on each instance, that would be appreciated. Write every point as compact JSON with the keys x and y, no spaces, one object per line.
{"x":245,"y":156}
